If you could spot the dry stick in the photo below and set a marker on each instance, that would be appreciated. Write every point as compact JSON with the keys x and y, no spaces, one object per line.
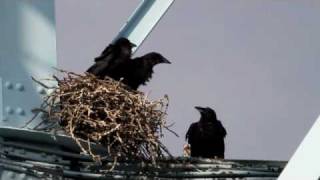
{"x":76,"y":139}
{"x":40,"y":83}
{"x":39,"y":110}
{"x":96,"y":158}
{"x":177,"y":135}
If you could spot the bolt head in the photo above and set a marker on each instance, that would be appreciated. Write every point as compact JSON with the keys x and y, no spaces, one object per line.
{"x":9,"y":110}
{"x":8,"y":85}
{"x":19,"y":87}
{"x":20,"y":111}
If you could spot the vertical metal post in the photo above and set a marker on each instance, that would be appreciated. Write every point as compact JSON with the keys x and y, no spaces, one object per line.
{"x":1,"y":106}
{"x":27,"y":48}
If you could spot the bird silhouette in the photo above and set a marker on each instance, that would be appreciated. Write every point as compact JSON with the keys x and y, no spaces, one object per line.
{"x":206,"y":137}
{"x":116,"y":62}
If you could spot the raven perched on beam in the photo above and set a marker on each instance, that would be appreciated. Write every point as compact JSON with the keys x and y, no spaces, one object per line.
{"x":206,"y":137}
{"x":112,"y":57}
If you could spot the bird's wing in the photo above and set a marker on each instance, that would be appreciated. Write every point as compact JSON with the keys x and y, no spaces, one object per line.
{"x":213,"y":130}
{"x":190,"y":132}
{"x":107,"y":54}
{"x":143,"y":69}
{"x":103,"y":61}
{"x":98,"y":68}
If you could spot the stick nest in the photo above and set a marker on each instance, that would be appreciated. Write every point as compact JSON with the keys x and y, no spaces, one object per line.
{"x":109,"y":113}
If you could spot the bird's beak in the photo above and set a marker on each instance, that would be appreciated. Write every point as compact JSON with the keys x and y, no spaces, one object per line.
{"x":166,"y":61}
{"x":133,"y":45}
{"x":200,"y":109}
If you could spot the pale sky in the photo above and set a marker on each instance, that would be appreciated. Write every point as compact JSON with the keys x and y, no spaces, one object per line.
{"x":255,"y":62}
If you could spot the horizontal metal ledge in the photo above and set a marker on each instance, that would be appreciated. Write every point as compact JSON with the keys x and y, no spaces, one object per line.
{"x":37,"y":169}
{"x":179,"y":167}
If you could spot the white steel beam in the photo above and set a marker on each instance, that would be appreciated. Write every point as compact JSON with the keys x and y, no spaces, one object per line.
{"x":143,"y":20}
{"x":27,"y":48}
{"x":304,"y":164}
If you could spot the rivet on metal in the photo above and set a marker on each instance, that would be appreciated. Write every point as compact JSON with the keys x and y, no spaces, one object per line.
{"x":19,"y":87}
{"x":20,"y":111}
{"x":9,"y":110}
{"x":8,"y":85}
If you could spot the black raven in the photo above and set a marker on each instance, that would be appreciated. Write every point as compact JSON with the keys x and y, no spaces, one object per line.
{"x":206,"y":137}
{"x":112,"y":57}
{"x":139,"y":70}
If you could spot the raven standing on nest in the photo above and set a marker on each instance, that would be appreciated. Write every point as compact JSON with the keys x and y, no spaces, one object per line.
{"x":115,"y":62}
{"x":206,"y":137}
{"x":139,"y":70}
{"x":111,"y":58}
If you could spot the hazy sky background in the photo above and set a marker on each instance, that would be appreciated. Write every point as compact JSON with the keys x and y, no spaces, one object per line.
{"x":255,"y":62}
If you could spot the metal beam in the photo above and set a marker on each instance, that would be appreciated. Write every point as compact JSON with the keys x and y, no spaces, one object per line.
{"x":304,"y":164}
{"x":143,"y":20}
{"x":27,"y":48}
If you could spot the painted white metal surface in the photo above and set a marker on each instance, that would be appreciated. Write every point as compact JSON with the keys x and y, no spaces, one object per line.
{"x":143,"y":20}
{"x":304,"y":164}
{"x":1,"y":111}
{"x":27,"y":48}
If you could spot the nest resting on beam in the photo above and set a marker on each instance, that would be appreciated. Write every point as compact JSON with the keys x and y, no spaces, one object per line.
{"x":109,"y":113}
